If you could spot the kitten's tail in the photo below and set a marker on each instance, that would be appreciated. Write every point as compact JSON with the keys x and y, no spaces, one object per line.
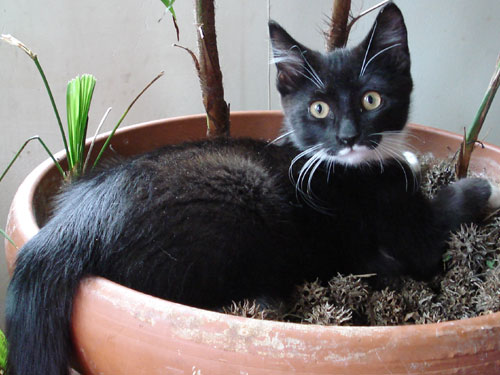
{"x":39,"y":303}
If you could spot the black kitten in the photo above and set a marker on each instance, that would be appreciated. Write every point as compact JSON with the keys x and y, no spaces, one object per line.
{"x":209,"y":222}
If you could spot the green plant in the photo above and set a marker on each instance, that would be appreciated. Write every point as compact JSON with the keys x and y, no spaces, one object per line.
{"x":3,"y":353}
{"x":78,"y":98}
{"x":470,"y":138}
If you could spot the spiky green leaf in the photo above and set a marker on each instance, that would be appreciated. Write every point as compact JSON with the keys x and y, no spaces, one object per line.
{"x":78,"y":97}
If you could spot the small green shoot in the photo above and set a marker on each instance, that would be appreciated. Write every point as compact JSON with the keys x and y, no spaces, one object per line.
{"x":446,"y":257}
{"x":491,"y":263}
{"x":3,"y":353}
{"x":170,"y":7}
{"x":2,"y":232}
{"x":78,"y":98}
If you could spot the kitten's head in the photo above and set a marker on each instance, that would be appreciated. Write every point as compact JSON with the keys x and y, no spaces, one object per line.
{"x":349,"y":105}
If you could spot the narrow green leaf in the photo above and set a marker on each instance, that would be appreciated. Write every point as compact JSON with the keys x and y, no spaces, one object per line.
{"x":2,"y":232}
{"x":36,"y":137}
{"x":490,"y":263}
{"x":3,"y":351}
{"x":17,"y":43}
{"x":170,"y":7}
{"x":108,"y":140}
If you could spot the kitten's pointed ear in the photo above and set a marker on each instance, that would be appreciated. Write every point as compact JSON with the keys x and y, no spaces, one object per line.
{"x":288,"y":55}
{"x":387,"y":40}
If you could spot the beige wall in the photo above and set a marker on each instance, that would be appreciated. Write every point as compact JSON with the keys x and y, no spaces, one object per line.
{"x":454,"y":44}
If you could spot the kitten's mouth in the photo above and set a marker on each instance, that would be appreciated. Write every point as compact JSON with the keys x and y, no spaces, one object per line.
{"x":352,"y":155}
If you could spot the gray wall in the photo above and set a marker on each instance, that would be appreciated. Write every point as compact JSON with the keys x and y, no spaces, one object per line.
{"x":454,"y":45}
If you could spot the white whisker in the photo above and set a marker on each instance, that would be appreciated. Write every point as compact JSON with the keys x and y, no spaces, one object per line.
{"x":368,"y":50}
{"x":298,"y":157}
{"x":281,"y":137}
{"x":377,"y":54}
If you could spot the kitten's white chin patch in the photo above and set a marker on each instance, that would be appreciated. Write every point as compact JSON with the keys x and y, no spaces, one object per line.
{"x":355,"y":155}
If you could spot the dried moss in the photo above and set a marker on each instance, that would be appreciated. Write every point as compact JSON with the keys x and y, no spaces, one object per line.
{"x":252,"y":309}
{"x":468,"y":287}
{"x":435,"y":174}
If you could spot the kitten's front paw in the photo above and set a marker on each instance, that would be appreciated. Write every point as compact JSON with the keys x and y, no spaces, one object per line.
{"x":494,"y":200}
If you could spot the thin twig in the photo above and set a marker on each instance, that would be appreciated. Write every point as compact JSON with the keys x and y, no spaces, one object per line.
{"x":365,"y":12}
{"x":105,"y":146}
{"x":192,"y":54}
{"x":470,"y":139}
{"x":94,"y":138}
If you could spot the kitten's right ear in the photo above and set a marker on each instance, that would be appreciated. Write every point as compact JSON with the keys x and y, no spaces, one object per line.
{"x":288,"y":55}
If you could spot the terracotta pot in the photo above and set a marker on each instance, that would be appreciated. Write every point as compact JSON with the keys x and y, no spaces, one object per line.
{"x":120,"y":331}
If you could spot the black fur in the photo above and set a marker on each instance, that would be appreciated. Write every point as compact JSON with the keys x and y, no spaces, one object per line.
{"x":209,"y":222}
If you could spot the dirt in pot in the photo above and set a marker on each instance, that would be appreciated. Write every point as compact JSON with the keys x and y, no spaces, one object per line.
{"x":469,"y":285}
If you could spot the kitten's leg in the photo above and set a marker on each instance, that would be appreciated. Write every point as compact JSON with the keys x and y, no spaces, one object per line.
{"x":417,"y":246}
{"x":467,"y":200}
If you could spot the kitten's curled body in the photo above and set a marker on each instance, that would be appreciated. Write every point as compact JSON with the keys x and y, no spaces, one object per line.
{"x":208,"y":222}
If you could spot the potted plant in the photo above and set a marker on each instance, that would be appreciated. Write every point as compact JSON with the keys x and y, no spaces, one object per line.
{"x":118,"y":330}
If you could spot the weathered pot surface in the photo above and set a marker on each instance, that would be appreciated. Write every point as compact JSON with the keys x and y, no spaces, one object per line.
{"x":121,"y":331}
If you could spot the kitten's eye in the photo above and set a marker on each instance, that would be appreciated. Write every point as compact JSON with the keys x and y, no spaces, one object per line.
{"x":371,"y":100}
{"x":319,"y":109}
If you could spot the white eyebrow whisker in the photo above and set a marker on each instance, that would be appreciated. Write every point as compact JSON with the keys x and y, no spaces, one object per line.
{"x":377,"y":54}
{"x":368,"y":50}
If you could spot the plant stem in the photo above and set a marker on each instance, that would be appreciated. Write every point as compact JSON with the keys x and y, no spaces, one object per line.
{"x":210,"y":74}
{"x":94,"y":139}
{"x":338,"y":33}
{"x":52,"y":101}
{"x":2,"y":232}
{"x":36,"y":137}
{"x":470,"y":139}
{"x":17,"y":43}
{"x":340,"y":26}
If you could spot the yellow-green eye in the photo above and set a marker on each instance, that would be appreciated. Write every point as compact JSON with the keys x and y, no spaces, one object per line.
{"x":319,"y":109}
{"x":371,"y":100}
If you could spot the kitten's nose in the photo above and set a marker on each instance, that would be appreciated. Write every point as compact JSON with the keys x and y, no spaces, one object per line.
{"x":348,"y":141}
{"x":348,"y":134}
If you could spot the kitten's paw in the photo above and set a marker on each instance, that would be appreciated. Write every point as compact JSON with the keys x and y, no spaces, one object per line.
{"x":412,"y":160}
{"x":494,"y":200}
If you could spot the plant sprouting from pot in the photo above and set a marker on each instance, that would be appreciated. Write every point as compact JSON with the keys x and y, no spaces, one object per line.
{"x":470,"y":138}
{"x":208,"y":69}
{"x":78,"y":98}
{"x":17,"y":43}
